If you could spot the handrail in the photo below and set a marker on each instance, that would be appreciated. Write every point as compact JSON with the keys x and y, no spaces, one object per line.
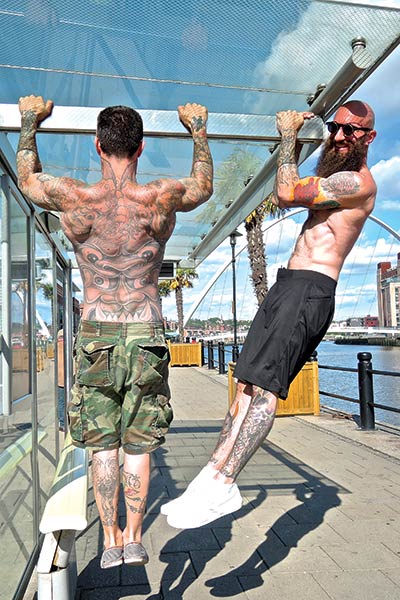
{"x":66,"y":506}
{"x":17,"y":451}
{"x":65,"y":512}
{"x":365,"y":373}
{"x":355,"y":400}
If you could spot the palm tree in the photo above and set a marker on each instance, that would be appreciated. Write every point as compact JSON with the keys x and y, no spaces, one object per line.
{"x":230,"y":180}
{"x":183,"y":279}
{"x":231,"y":177}
{"x":255,"y":245}
{"x":164,"y":288}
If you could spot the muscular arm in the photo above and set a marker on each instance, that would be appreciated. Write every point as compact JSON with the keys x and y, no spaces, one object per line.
{"x":199,"y":186}
{"x":46,"y":191}
{"x":341,"y":189}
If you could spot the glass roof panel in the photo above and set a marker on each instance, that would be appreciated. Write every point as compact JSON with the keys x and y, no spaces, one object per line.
{"x":251,"y":57}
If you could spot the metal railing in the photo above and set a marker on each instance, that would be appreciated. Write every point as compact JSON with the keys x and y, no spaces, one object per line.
{"x":221,"y":361}
{"x":364,"y":370}
{"x":365,"y":387}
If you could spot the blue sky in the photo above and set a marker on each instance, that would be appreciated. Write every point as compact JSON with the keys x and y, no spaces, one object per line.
{"x":356,"y":294}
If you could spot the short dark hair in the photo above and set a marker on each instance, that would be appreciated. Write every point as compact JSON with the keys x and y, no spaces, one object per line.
{"x":119,"y":131}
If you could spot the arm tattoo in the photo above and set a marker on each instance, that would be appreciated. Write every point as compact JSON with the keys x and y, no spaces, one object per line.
{"x":201,"y":150}
{"x":287,"y":148}
{"x":106,"y":485}
{"x":27,"y":139}
{"x":341,"y":184}
{"x":200,"y":187}
{"x":309,"y":192}
{"x":287,"y":173}
{"x":321,"y":193}
{"x":198,"y":123}
{"x":27,"y":153}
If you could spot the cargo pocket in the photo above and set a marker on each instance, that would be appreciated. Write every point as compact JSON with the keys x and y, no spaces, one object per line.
{"x":74,"y":412}
{"x":94,"y":363}
{"x":154,"y":360}
{"x":164,"y":416}
{"x":319,"y":313}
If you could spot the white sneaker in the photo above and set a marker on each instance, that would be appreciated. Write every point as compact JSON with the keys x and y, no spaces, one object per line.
{"x":206,"y":472}
{"x":206,"y":506}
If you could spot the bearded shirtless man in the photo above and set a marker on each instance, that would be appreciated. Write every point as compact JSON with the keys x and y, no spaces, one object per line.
{"x":118,"y":229}
{"x":298,"y":309}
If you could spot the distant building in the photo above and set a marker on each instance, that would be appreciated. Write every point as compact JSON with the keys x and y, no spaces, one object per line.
{"x":371,"y":321}
{"x":388,"y":290}
{"x":355,"y":322}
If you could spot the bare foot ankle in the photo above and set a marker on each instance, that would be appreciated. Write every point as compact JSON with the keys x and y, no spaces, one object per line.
{"x":112,"y":541}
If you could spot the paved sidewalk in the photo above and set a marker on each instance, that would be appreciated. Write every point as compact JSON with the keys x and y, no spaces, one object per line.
{"x":320,"y":519}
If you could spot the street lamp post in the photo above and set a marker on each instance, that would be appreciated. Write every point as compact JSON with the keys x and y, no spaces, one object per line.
{"x":235,"y":348}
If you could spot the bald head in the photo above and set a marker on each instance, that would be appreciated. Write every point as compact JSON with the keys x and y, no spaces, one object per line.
{"x":362,"y":112}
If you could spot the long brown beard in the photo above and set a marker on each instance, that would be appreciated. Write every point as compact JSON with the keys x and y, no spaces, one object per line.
{"x":331,"y":161}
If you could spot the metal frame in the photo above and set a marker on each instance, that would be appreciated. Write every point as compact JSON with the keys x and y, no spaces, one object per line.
{"x":6,"y":353}
{"x":161,"y":123}
{"x":34,"y":223}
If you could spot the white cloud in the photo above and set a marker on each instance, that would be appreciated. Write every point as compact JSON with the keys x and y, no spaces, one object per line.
{"x":368,"y":253}
{"x":384,"y":78}
{"x":305,"y":70}
{"x":373,"y":3}
{"x":390,"y":205}
{"x":387,"y":176}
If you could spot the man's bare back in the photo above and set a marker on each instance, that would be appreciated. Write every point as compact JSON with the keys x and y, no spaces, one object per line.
{"x":119,"y":240}
{"x":118,"y":228}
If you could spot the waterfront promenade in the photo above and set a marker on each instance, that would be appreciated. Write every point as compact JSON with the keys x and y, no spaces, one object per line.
{"x":320,"y":521}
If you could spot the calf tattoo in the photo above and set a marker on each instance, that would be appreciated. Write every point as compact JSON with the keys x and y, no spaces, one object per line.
{"x":106,"y":485}
{"x":134,"y":501}
{"x":223,"y":436}
{"x":255,"y":427}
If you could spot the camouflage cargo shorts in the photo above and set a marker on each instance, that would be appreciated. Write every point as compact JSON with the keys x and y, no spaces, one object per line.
{"x":121,"y":393}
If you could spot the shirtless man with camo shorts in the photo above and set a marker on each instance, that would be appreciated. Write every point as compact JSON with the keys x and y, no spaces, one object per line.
{"x":298,"y":309}
{"x":119,"y":230}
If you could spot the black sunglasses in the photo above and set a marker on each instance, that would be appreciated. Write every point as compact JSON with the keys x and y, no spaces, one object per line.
{"x":347,"y":128}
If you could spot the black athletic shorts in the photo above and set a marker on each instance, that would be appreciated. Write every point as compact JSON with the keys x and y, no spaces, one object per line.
{"x":289,"y":325}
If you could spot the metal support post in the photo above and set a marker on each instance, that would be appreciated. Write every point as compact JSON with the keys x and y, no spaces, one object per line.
{"x":235,"y":348}
{"x":221,"y":358}
{"x":235,"y":353}
{"x":210,"y":354}
{"x":203,"y":360}
{"x":366,"y":391}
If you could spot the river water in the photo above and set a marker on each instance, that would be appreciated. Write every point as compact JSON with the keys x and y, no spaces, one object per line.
{"x":386,"y":389}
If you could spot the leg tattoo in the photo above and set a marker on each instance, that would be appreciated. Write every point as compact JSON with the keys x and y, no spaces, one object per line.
{"x":232,"y":424}
{"x":136,"y":481}
{"x":223,"y":436}
{"x":134,"y":501}
{"x":255,"y":427}
{"x":106,"y":487}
